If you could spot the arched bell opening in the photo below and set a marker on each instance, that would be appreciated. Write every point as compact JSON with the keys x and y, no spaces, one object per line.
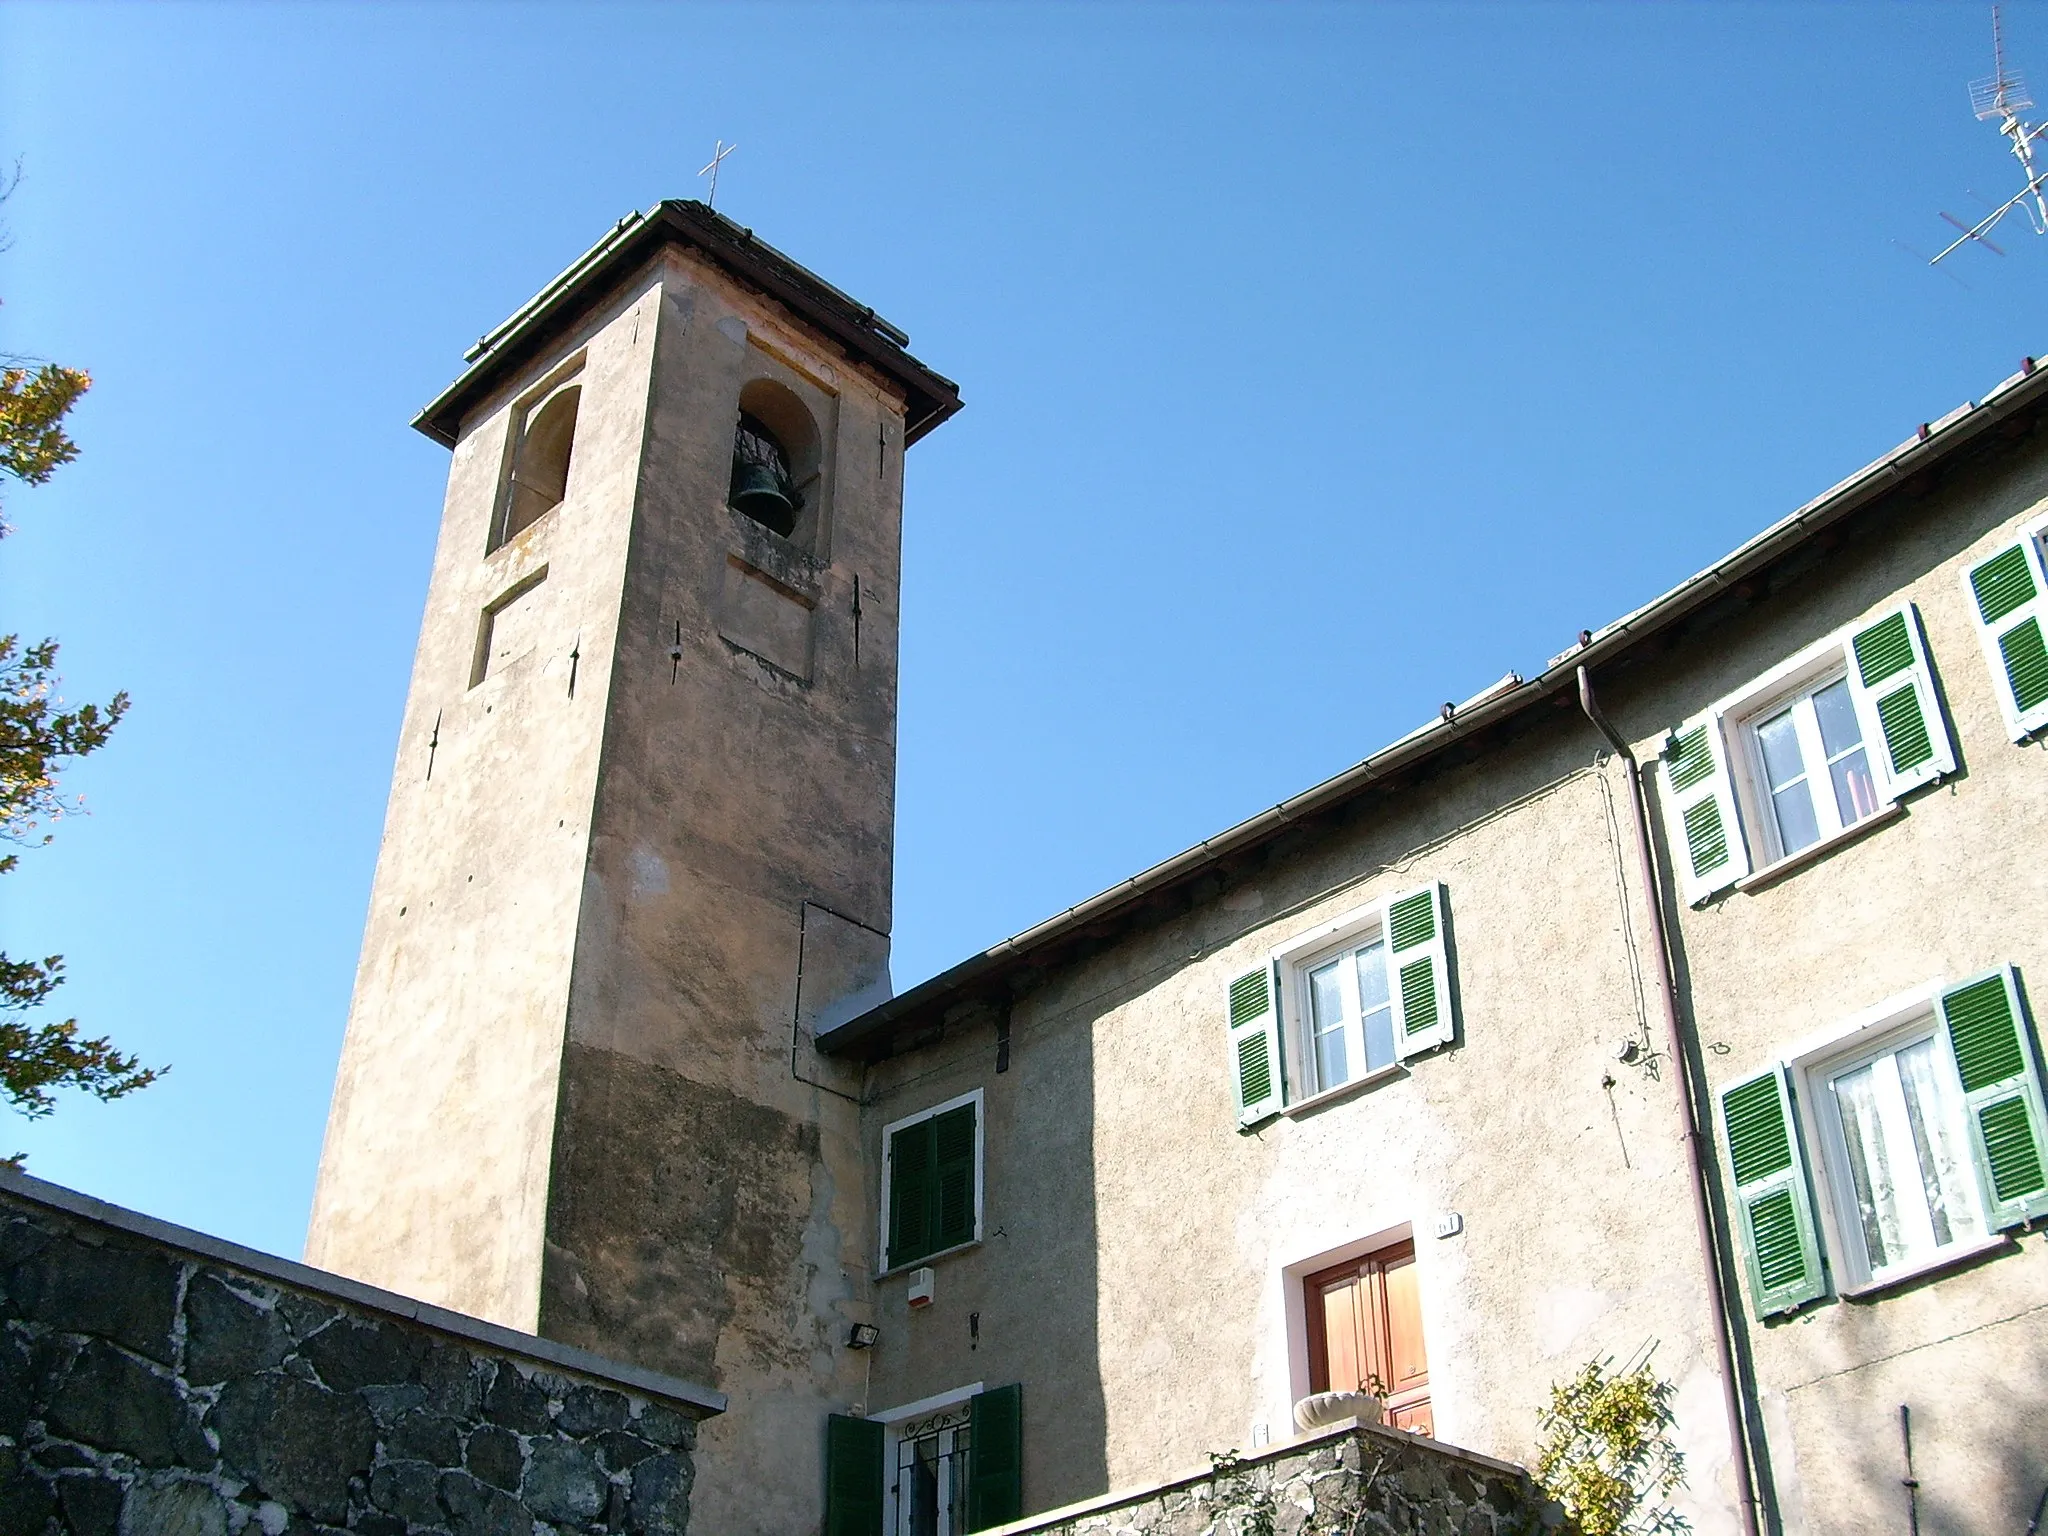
{"x":540,"y":470}
{"x":775,"y":461}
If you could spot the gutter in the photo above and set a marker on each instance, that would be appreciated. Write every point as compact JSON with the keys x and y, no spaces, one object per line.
{"x":1732,"y":1386}
{"x":1933,"y":442}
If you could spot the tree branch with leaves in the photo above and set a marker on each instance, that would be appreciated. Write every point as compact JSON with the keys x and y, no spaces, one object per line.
{"x":39,"y":737}
{"x":1607,"y":1452}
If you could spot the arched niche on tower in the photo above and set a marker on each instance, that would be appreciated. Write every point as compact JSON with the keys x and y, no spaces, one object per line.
{"x":779,"y":477}
{"x":542,"y":454}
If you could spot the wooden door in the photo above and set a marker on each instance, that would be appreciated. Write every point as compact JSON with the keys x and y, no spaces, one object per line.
{"x":1365,"y":1333}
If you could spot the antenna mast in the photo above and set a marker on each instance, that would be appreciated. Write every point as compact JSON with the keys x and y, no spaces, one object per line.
{"x":2003,"y":94}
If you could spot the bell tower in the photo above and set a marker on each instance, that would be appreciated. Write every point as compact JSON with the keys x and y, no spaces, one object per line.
{"x":639,"y":842}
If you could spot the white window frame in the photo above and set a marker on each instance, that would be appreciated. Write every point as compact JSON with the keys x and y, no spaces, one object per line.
{"x":1291,"y":963}
{"x":972,"y":1096}
{"x":892,"y":1421}
{"x":1737,"y":717}
{"x":1886,"y":1026}
{"x":1814,"y":672}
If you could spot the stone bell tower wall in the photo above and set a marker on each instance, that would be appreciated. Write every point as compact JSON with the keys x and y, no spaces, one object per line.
{"x":652,"y":858}
{"x":433,"y":1181}
{"x":707,"y":1208}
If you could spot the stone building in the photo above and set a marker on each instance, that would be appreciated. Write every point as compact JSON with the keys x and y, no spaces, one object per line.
{"x":640,"y":839}
{"x":1675,"y":998}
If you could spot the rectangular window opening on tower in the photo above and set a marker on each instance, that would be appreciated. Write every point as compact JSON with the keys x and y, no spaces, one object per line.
{"x":508,"y":631}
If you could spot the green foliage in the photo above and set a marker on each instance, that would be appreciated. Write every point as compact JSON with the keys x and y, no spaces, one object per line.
{"x":1242,"y":1507}
{"x":33,"y":405}
{"x":38,"y":736}
{"x":1607,"y":1454}
{"x":34,"y":1058}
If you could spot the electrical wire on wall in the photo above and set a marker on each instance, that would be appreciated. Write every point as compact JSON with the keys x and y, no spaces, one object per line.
{"x":1631,"y":947}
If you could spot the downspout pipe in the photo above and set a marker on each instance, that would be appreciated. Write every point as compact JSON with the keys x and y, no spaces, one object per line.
{"x":1688,"y":1110}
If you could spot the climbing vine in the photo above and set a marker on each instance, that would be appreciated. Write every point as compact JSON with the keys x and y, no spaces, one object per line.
{"x":1607,"y":1453}
{"x":1248,"y":1509}
{"x":1243,"y":1508}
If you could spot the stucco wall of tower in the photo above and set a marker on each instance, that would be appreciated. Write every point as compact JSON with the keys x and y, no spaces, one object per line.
{"x":433,"y":1180}
{"x":1955,"y":886}
{"x":706,"y":1211}
{"x":1138,"y":1252}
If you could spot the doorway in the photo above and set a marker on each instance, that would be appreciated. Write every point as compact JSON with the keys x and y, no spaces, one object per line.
{"x":1364,"y":1321}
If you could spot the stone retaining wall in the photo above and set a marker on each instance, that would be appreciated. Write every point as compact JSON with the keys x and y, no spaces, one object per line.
{"x":156,"y":1380}
{"x":1348,"y":1480}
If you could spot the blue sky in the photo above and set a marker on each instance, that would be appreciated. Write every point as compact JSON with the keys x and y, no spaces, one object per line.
{"x":1322,"y":363}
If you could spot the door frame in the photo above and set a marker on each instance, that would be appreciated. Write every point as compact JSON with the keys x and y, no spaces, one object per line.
{"x":1294,"y":1303}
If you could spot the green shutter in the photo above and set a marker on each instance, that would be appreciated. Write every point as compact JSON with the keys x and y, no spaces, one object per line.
{"x":1699,"y":810}
{"x":2026,"y":664}
{"x":2003,"y":585}
{"x":953,"y":1216}
{"x":1706,"y":838}
{"x":1893,"y":686}
{"x":1255,"y":1067}
{"x":1774,"y":1205}
{"x":995,"y":1457}
{"x":932,"y":1174}
{"x":2009,"y":600}
{"x":854,"y":1474}
{"x":913,"y":1190}
{"x":1418,"y":966}
{"x":1691,"y":760}
{"x":1993,"y":1051}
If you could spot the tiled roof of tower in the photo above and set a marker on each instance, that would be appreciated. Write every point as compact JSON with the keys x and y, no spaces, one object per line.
{"x":2017,"y":400}
{"x":861,"y":334}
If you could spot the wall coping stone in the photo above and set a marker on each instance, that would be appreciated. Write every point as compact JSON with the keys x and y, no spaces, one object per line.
{"x":1103,"y":1503}
{"x":695,"y":1401}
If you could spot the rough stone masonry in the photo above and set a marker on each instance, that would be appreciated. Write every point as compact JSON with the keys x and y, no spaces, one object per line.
{"x":1350,"y":1479}
{"x":153,"y":1380}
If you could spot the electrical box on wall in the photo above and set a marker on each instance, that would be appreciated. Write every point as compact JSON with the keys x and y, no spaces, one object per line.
{"x":923,"y":1286}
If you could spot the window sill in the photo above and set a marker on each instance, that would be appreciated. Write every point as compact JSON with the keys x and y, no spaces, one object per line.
{"x":1934,"y":1264}
{"x":1314,"y":1102}
{"x":1772,"y":873}
{"x":919,"y":1263}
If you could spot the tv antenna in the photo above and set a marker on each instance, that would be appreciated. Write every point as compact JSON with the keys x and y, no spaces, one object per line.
{"x":2003,"y":94}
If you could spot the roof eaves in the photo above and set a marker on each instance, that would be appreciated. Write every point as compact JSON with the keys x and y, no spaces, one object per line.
{"x":931,"y":398}
{"x":1935,"y":440}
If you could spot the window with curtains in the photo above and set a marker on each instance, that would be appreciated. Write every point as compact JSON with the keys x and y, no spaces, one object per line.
{"x":1896,"y":1152}
{"x":931,"y":1181}
{"x":1911,"y":1141}
{"x":1804,"y":755}
{"x":945,"y":1466}
{"x":928,"y":1484}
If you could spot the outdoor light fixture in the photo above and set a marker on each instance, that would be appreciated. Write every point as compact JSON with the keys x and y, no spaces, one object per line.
{"x":863,"y":1336}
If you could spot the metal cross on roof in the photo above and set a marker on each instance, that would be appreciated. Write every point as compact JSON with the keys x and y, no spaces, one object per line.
{"x":711,"y":170}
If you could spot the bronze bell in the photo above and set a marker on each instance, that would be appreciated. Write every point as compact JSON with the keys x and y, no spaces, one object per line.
{"x":757,"y":491}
